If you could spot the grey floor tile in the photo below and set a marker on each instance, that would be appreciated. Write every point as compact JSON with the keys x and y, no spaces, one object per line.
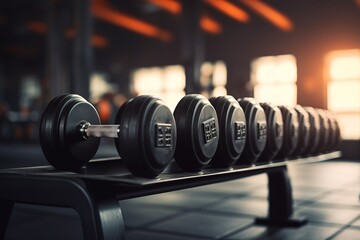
{"x":308,"y":232}
{"x":261,"y":192}
{"x":341,"y":216}
{"x":253,"y":232}
{"x":43,"y":222}
{"x":248,"y":206}
{"x":340,"y":198}
{"x":348,"y":234}
{"x":325,"y":174}
{"x":229,"y":188}
{"x":138,"y":216}
{"x":202,"y":224}
{"x":148,"y":235}
{"x":179,"y":199}
{"x":356,"y":223}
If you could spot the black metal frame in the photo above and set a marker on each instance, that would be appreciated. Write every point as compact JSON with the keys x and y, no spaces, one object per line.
{"x":94,"y":193}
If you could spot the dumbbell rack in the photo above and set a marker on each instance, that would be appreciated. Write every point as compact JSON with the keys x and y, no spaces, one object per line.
{"x":95,"y":191}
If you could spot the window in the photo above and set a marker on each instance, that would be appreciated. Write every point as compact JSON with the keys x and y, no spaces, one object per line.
{"x":343,"y":92}
{"x":213,"y":78}
{"x":167,"y":83}
{"x":274,"y":79}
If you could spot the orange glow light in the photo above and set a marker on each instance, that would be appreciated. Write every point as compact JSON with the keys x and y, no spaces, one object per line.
{"x":172,"y":6}
{"x":96,"y":40}
{"x":358,"y":2}
{"x":210,"y":25}
{"x":272,"y":15}
{"x":42,"y":28}
{"x":229,"y":9}
{"x":37,"y":27}
{"x":130,"y":23}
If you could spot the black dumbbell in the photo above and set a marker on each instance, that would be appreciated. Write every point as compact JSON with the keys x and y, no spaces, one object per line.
{"x":275,"y":132}
{"x":291,"y":133}
{"x":334,"y":132}
{"x":232,"y":129}
{"x":324,"y":131}
{"x":145,"y":139}
{"x":304,"y":130}
{"x":256,"y":132}
{"x":198,"y":132}
{"x":314,"y":132}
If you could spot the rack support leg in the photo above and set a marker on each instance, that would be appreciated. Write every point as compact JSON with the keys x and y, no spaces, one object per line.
{"x":280,"y":201}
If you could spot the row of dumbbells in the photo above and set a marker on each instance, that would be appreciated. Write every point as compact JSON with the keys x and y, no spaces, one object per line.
{"x":218,"y":132}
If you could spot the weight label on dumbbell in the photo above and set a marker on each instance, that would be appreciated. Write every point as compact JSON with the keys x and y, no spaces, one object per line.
{"x":261,"y":130}
{"x":240,"y":130}
{"x":279,"y":130}
{"x":163,"y":135}
{"x":209,"y":128}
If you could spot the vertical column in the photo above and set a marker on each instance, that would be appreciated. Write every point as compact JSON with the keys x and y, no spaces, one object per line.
{"x":82,"y":50}
{"x":5,"y":210}
{"x":193,"y":44}
{"x":280,"y":201}
{"x":56,"y":78}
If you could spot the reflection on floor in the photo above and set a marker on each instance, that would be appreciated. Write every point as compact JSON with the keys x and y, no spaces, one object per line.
{"x":326,"y":193}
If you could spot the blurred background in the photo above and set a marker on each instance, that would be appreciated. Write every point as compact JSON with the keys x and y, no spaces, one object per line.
{"x":285,"y":52}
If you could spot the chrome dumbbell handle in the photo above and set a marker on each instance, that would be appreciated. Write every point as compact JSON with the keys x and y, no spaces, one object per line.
{"x":100,"y":131}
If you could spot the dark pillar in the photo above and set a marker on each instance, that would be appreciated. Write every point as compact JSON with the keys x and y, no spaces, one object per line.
{"x":82,"y":51}
{"x":57,"y":81}
{"x":193,"y":44}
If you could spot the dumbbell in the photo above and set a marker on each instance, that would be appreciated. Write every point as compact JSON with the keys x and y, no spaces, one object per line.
{"x":334,"y":133}
{"x":324,"y":131}
{"x":304,"y":130}
{"x":256,"y":130}
{"x":275,"y":132}
{"x":145,"y":134}
{"x":232,"y":130}
{"x":291,"y":133}
{"x":198,"y":132}
{"x":314,"y":132}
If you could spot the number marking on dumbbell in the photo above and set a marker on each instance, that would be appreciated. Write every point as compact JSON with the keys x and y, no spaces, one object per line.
{"x":279,"y":130}
{"x":209,"y":128}
{"x":240,"y":130}
{"x":261,"y":126}
{"x":163,"y":135}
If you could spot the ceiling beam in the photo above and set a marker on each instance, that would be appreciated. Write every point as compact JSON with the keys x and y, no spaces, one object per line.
{"x":126,"y":21}
{"x":229,"y":9}
{"x":270,"y":14}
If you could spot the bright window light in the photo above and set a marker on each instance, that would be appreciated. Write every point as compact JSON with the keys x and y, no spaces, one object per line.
{"x":167,"y":83}
{"x":274,"y":79}
{"x":174,"y":77}
{"x":344,"y":65}
{"x":148,"y":80}
{"x":344,"y":96}
{"x":99,"y":86}
{"x":220,"y":74}
{"x":343,"y":72}
{"x":277,"y":94}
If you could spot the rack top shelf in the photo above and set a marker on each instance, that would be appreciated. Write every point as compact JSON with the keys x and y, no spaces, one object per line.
{"x":111,"y":171}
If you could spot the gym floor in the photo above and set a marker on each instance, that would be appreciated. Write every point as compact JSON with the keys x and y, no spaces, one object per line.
{"x":327,"y":193}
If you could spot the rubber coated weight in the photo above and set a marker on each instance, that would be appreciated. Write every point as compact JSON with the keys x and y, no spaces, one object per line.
{"x":291,"y":132}
{"x":304,"y":130}
{"x":147,"y":138}
{"x":333,"y":132}
{"x":337,"y":135}
{"x":232,"y":130}
{"x":60,"y":139}
{"x":275,"y":132}
{"x":324,"y":131}
{"x":314,"y":131}
{"x":256,"y":130}
{"x":198,"y":132}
